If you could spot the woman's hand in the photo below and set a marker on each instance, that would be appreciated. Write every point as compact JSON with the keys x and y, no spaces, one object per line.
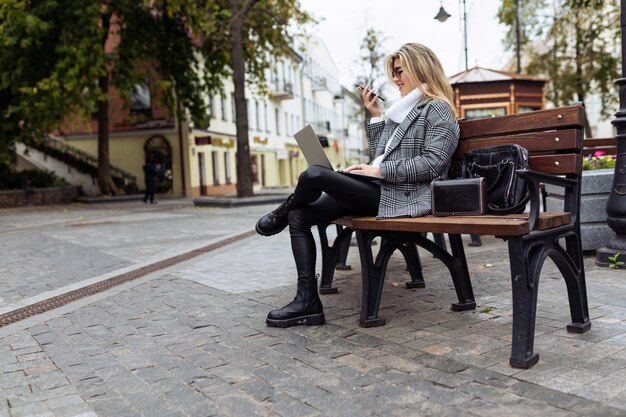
{"x":370,"y":100}
{"x":364,"y":169}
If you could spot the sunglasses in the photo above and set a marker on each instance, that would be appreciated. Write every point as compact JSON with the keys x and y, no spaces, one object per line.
{"x":396,"y":72}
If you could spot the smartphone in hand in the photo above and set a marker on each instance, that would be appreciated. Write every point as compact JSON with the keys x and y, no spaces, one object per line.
{"x":379,"y":97}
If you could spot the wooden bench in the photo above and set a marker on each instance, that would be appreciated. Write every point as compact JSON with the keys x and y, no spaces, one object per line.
{"x":555,"y":141}
{"x":591,"y":146}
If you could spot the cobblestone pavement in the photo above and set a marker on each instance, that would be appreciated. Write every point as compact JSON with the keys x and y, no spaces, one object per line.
{"x":191,"y":339}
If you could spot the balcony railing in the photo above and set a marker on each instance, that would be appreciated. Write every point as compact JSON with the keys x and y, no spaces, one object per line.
{"x":281,"y":90}
{"x":318,"y":83}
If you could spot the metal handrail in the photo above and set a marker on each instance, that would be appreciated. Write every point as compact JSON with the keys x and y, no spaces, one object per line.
{"x":79,"y":158}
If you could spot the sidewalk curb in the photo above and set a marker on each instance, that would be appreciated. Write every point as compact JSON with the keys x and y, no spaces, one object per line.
{"x":238,"y":202}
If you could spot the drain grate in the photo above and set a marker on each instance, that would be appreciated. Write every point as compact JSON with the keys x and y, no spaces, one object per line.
{"x":63,"y":299}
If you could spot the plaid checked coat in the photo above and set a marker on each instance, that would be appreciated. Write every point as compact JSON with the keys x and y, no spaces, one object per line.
{"x":421,"y":150}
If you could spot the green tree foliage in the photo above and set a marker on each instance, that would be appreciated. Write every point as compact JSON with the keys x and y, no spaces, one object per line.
{"x":61,"y":58}
{"x":573,"y":43}
{"x":54,"y":64}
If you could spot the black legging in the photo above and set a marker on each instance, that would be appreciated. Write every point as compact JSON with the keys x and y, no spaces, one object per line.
{"x":321,"y":196}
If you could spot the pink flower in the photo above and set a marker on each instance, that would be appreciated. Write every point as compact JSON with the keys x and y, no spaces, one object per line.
{"x":598,"y":154}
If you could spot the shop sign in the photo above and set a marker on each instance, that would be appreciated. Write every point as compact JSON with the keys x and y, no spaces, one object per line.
{"x":215,"y":141}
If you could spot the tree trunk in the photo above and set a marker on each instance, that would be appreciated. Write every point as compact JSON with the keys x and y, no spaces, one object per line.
{"x":244,"y":170}
{"x":106,"y":184}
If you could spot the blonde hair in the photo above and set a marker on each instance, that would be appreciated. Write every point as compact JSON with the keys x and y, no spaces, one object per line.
{"x":421,"y":66}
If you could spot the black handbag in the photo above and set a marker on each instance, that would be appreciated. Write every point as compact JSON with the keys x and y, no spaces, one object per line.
{"x":507,"y":191}
{"x":458,"y":197}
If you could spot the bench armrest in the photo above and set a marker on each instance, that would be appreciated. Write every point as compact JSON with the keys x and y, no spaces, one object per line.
{"x":534,"y":179}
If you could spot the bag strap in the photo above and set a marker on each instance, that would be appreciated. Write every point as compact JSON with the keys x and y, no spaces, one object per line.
{"x":510,"y":210}
{"x":501,"y":167}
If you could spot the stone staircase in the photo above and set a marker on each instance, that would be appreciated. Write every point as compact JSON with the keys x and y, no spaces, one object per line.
{"x":74,"y":165}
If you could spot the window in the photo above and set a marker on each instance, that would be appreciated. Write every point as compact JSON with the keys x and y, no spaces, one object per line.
{"x":267,"y":126}
{"x":140,"y":99}
{"x":276,"y":116}
{"x":227,"y":167}
{"x":282,"y":64}
{"x":216,"y":167}
{"x":223,"y":98}
{"x":484,"y":112}
{"x":233,"y":107}
{"x":249,"y":107}
{"x":286,"y":123}
{"x":256,"y":114}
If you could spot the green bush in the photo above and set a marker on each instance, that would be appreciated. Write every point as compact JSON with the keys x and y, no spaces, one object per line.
{"x":34,"y":178}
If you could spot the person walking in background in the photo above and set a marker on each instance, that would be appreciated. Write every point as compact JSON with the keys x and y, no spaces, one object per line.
{"x":410,"y":146}
{"x":150,"y":178}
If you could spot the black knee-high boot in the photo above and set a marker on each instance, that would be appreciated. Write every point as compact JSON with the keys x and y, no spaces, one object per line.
{"x":306,"y":308}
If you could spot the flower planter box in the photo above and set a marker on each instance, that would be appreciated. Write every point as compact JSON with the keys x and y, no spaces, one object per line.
{"x":596,"y":187}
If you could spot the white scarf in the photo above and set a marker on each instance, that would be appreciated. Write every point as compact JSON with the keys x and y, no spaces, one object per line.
{"x":399,"y":110}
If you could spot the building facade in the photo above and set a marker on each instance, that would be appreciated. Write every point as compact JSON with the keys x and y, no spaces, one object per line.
{"x":193,"y":161}
{"x":303,"y":89}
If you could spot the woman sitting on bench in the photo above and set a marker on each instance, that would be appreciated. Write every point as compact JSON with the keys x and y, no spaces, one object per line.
{"x":412,"y":145}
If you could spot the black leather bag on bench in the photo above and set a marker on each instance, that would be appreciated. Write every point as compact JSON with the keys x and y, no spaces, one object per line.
{"x":507,"y":191}
{"x":458,"y":197}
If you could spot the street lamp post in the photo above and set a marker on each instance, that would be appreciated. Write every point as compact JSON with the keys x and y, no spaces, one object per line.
{"x":517,"y":38}
{"x":442,"y":16}
{"x":616,"y":206}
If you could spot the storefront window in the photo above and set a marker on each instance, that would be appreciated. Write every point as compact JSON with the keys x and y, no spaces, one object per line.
{"x":484,"y":112}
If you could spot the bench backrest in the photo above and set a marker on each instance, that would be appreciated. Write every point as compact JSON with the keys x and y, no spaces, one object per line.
{"x":591,"y":146}
{"x":553,"y":137}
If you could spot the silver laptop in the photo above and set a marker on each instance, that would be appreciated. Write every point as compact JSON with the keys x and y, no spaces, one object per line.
{"x":314,"y":153}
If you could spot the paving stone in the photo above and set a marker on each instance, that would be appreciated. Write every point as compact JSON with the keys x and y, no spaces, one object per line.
{"x":38,"y":409}
{"x":286,"y":405}
{"x":192,"y":340}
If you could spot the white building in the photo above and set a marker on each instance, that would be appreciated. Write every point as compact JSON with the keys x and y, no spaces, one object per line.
{"x":303,"y":89}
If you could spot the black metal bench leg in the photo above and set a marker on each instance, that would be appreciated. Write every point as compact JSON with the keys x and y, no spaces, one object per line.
{"x":475,"y":240}
{"x":573,"y":272}
{"x":413,"y":264}
{"x":461,"y":277}
{"x":373,"y":269}
{"x":330,"y":254}
{"x":440,"y":240}
{"x":524,"y":282}
{"x":373,"y":275}
{"x":343,"y":251}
